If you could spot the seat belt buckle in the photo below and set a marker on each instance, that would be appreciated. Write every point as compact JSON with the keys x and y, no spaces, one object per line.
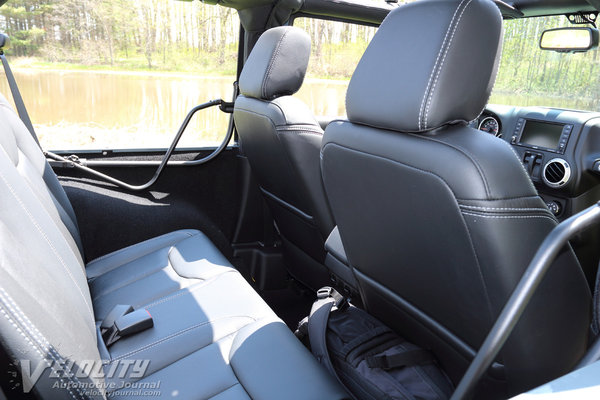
{"x":128,"y":324}
{"x":340,"y":301}
{"x":118,"y":311}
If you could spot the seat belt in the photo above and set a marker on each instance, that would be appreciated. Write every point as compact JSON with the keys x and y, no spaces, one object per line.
{"x":327,"y":298}
{"x":14,"y":89}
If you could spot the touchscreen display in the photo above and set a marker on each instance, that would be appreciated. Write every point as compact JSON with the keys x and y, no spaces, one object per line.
{"x":541,"y":134}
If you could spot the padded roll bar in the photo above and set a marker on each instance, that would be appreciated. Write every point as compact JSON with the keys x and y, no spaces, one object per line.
{"x":512,"y":311}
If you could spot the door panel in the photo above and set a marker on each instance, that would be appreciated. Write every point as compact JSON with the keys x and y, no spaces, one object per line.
{"x":203,"y":197}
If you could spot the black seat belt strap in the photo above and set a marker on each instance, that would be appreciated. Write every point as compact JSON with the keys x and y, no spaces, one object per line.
{"x":14,"y":89}
{"x":327,"y":298}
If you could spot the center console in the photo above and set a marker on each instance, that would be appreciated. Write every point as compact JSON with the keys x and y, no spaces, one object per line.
{"x":544,"y":144}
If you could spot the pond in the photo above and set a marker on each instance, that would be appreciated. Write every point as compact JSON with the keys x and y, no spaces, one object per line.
{"x":95,"y":110}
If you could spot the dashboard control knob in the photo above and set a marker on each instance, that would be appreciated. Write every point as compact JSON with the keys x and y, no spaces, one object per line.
{"x":554,"y":207}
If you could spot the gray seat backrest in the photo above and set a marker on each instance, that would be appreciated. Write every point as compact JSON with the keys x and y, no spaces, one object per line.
{"x":439,"y":220}
{"x":282,"y":140}
{"x":45,"y":305}
{"x":31,"y":164}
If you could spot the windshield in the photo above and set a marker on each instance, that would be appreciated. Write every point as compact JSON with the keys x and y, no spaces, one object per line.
{"x":529,"y":76}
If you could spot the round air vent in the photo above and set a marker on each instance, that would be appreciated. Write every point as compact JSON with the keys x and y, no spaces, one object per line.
{"x":556,"y":172}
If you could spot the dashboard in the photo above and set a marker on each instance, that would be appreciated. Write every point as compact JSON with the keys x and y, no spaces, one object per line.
{"x":560,"y":150}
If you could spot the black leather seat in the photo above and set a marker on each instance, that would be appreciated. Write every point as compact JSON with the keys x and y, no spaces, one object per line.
{"x":439,"y":220}
{"x":282,"y":140}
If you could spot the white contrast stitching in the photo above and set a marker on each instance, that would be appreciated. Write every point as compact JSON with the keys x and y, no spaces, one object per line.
{"x":32,"y":329}
{"x":502,"y":208}
{"x":271,"y":64}
{"x":509,"y":216}
{"x":175,"y":334}
{"x":185,"y":290}
{"x":226,"y":389}
{"x":4,"y":296}
{"x":431,"y":93}
{"x":153,"y":250}
{"x":435,"y":65}
{"x":35,"y":223}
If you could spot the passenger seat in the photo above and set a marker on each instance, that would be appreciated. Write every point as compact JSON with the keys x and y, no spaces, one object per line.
{"x":282,"y":140}
{"x":213,"y":336}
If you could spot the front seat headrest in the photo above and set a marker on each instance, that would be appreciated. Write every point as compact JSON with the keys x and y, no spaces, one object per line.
{"x":431,"y":63}
{"x":277,"y":64}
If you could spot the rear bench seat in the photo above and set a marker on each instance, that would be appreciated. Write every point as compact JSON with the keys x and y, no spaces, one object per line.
{"x":213,"y":336}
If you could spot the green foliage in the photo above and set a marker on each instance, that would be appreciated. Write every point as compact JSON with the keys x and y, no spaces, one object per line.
{"x":170,"y":35}
{"x":553,"y":78}
{"x":123,"y":34}
{"x":336,"y":47}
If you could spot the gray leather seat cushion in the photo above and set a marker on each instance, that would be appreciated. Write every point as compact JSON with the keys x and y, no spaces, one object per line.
{"x":206,"y":318}
{"x":213,"y":336}
{"x":155,"y":268}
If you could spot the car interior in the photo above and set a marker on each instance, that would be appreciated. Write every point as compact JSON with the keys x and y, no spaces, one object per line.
{"x":423,"y":206}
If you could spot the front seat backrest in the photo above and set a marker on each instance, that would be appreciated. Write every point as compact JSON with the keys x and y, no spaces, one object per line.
{"x":282,"y":140}
{"x":440,"y":220}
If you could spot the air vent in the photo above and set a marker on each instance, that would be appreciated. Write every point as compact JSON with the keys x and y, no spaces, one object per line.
{"x":556,"y":172}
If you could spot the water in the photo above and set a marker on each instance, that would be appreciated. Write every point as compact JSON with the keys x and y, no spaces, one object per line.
{"x":96,"y":110}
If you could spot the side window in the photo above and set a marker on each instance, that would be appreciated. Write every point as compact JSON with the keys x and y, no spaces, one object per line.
{"x":116,"y":74}
{"x":336,"y":49}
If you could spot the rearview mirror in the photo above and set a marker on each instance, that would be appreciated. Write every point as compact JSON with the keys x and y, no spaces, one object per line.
{"x":569,"y":40}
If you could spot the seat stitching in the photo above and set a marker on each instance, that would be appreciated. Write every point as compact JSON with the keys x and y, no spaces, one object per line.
{"x":128,"y":247}
{"x":222,"y":339}
{"x":464,"y":152}
{"x":300,"y":133}
{"x":224,"y":390}
{"x":503,"y":208}
{"x":300,"y":127}
{"x":509,"y":216}
{"x":37,"y":350}
{"x":32,"y":329}
{"x":178,"y":333}
{"x":48,"y":241}
{"x":271,"y":64}
{"x":485,"y":288}
{"x":525,"y":197}
{"x":435,"y":65}
{"x":135,"y":279}
{"x":520,"y":163}
{"x":183,"y":291}
{"x":453,"y":194}
{"x":4,"y":296}
{"x":137,"y":256}
{"x":432,"y":92}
